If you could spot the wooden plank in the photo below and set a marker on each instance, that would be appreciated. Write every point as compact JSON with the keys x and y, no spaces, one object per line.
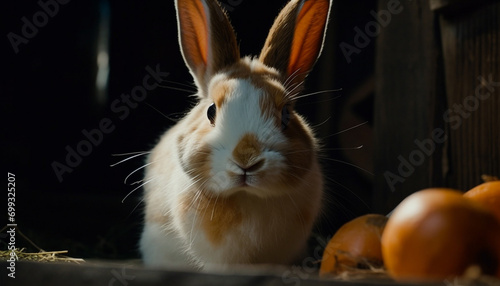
{"x":407,"y":98}
{"x":471,"y":48}
{"x":123,"y":274}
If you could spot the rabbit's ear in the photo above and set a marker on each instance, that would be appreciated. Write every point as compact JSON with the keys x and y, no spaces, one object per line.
{"x":296,"y":38}
{"x":206,"y":37}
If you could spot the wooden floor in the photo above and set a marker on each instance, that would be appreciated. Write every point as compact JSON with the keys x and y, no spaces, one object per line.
{"x":131,"y":273}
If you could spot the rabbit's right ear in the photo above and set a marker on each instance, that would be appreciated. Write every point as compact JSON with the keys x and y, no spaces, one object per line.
{"x":296,"y":38}
{"x":206,"y":38}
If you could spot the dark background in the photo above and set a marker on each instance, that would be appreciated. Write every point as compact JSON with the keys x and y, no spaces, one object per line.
{"x":49,"y":95}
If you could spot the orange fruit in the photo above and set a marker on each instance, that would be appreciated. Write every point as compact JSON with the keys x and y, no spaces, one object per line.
{"x":435,"y":234}
{"x":487,"y":194}
{"x":356,"y":245}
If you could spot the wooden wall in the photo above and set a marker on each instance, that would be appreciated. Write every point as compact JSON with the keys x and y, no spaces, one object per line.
{"x":437,"y":98}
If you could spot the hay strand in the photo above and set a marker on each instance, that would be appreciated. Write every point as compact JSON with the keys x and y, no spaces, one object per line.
{"x":40,"y":256}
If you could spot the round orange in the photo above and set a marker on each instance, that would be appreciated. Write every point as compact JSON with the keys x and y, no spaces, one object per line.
{"x":435,"y":234}
{"x":355,"y":245}
{"x":487,"y":194}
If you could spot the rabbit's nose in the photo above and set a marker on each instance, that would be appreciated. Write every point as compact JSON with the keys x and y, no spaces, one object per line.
{"x":254,"y":167}
{"x":247,"y":151}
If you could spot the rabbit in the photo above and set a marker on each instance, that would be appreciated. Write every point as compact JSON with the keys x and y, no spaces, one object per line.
{"x":237,"y":180}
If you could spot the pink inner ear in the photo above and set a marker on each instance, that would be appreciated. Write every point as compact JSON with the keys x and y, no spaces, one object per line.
{"x":194,"y":32}
{"x":308,"y":36}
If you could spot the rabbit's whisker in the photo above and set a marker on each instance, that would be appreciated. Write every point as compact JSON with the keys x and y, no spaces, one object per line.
{"x":177,"y":88}
{"x":213,"y":209}
{"x":196,"y":180}
{"x":349,"y":164}
{"x":321,"y":101}
{"x":136,"y":182}
{"x":316,"y":92}
{"x":343,"y":148}
{"x":321,"y":123}
{"x":292,"y":91}
{"x":162,"y":114}
{"x":188,"y":85}
{"x":136,"y":154}
{"x":135,"y":189}
{"x":196,"y":199}
{"x":136,"y":170}
{"x":131,"y":153}
{"x":136,"y":206}
{"x":291,"y":77}
{"x":347,"y":129}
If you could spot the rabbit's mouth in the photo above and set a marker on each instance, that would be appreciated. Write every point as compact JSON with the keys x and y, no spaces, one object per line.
{"x":252,"y":176}
{"x":253,"y":184}
{"x":247,"y":174}
{"x":246,"y":181}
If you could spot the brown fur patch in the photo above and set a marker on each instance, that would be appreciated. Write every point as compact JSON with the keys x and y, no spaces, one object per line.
{"x":193,"y":154}
{"x":247,"y":149}
{"x":306,"y":215}
{"x":220,"y":92}
{"x":198,"y":164}
{"x":301,"y":150}
{"x":218,"y":215}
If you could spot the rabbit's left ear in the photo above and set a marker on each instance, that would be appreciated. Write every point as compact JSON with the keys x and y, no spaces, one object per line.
{"x":296,"y":38}
{"x":206,"y":37}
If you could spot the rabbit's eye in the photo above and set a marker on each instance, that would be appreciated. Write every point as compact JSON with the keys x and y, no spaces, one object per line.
{"x":211,"y":112}
{"x":285,"y":117}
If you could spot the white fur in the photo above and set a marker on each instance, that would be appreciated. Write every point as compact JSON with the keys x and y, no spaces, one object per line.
{"x":242,"y":115}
